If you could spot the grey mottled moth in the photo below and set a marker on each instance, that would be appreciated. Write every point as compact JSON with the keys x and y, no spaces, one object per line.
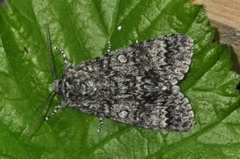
{"x":136,"y":85}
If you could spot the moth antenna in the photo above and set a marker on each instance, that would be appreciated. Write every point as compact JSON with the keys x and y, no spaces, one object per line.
{"x":52,"y":94}
{"x":49,"y":48}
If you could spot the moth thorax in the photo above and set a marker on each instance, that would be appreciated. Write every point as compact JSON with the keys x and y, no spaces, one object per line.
{"x":86,"y":87}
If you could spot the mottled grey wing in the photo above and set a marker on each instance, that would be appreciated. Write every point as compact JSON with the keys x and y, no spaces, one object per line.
{"x":170,"y":56}
{"x":171,"y":111}
{"x":154,"y":67}
{"x":135,"y":85}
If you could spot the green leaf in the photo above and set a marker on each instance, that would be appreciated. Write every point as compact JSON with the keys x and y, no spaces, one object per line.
{"x":83,"y":29}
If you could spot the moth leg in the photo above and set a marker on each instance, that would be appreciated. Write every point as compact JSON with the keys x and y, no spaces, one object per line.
{"x":109,"y":46}
{"x":65,"y":59}
{"x":57,"y":108}
{"x":101,"y":123}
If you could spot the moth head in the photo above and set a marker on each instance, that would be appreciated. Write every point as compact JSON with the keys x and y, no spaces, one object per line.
{"x":57,"y":85}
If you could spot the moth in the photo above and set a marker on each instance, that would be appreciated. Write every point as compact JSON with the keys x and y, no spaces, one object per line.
{"x":136,"y":85}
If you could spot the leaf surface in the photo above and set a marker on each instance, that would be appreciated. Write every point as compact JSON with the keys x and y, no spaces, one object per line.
{"x":82,"y":29}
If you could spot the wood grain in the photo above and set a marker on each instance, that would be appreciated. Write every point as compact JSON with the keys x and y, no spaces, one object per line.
{"x":225,"y":16}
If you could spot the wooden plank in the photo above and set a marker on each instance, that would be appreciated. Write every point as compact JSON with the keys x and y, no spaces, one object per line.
{"x":225,"y":16}
{"x":223,"y":11}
